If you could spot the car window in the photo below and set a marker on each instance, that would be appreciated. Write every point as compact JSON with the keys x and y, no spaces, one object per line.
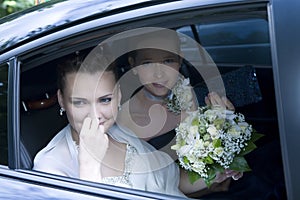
{"x":3,"y":114}
{"x":39,"y":106}
{"x":235,"y":41}
{"x":239,"y":47}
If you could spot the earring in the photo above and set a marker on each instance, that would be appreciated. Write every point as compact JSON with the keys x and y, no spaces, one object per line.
{"x":134,"y":71}
{"x":61,"y":111}
{"x":119,"y":107}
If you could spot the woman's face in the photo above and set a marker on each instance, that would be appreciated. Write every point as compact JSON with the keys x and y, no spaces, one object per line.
{"x":157,"y":70}
{"x":90,"y":95}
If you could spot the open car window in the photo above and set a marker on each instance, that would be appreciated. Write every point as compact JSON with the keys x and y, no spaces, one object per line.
{"x":239,"y":47}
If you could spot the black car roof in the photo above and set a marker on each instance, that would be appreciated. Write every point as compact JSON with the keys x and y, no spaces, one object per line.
{"x":29,"y":23}
{"x":24,"y":26}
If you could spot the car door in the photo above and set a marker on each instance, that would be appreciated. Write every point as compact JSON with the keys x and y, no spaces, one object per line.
{"x":235,"y":34}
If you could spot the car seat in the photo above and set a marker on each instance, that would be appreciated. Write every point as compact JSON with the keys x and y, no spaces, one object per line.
{"x":39,"y":117}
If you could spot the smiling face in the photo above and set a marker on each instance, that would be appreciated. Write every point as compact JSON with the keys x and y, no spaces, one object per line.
{"x":90,"y":95}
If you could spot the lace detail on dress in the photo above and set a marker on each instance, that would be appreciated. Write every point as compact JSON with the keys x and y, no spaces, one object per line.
{"x":123,"y":180}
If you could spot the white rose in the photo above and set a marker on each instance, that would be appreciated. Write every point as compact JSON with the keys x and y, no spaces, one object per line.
{"x":206,"y":143}
{"x":235,"y":131}
{"x":194,"y":130}
{"x":213,"y":132}
{"x":199,"y":145}
{"x":219,"y":151}
{"x":192,"y":158}
{"x":176,"y":147}
{"x":184,"y":150}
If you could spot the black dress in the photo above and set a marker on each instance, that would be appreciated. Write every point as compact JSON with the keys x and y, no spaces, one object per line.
{"x":162,"y":140}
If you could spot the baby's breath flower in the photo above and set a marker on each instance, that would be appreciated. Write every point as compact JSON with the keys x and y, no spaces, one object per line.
{"x":235,"y":131}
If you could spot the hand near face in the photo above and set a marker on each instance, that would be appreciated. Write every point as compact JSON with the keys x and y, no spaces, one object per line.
{"x":213,"y":99}
{"x":93,"y":141}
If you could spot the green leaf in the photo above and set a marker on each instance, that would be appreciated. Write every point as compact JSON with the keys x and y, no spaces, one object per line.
{"x":211,"y":176}
{"x":239,"y":164}
{"x":195,"y":122}
{"x":216,"y":143}
{"x":193,"y":176}
{"x":208,"y":160}
{"x":250,"y":147}
{"x":208,"y":182}
{"x":219,"y":123}
{"x":218,"y":168}
{"x":255,"y":136}
{"x":185,"y":160}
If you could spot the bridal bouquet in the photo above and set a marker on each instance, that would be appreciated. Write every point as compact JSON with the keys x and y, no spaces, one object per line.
{"x":212,"y":139}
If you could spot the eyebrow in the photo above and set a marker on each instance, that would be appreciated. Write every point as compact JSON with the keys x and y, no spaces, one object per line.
{"x":80,"y":98}
{"x":75,"y":98}
{"x":107,"y":95}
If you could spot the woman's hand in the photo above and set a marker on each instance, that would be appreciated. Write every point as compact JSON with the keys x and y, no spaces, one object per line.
{"x":215,"y":187}
{"x":235,"y":175}
{"x":93,"y":145}
{"x":214,"y":99}
{"x":221,"y":183}
{"x":199,"y":188}
{"x":93,"y":140}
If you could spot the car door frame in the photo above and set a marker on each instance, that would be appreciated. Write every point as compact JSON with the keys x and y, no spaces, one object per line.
{"x":282,"y":63}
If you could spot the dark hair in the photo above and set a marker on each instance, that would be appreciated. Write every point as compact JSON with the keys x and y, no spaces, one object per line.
{"x":134,"y":53}
{"x":92,"y":62}
{"x":156,"y":37}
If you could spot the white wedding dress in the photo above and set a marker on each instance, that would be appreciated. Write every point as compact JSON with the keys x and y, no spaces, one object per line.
{"x":145,"y":167}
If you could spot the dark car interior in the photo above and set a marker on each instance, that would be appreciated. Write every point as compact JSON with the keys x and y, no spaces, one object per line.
{"x":250,"y":87}
{"x":40,"y":119}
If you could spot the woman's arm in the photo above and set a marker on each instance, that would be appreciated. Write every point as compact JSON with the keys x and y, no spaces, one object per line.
{"x":49,"y":164}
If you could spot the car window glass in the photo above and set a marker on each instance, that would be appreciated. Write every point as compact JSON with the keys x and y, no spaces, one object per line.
{"x":239,"y":47}
{"x":39,"y":106}
{"x":236,"y":41}
{"x":3,"y":113}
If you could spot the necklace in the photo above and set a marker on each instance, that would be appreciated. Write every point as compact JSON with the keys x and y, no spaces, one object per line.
{"x":152,"y":97}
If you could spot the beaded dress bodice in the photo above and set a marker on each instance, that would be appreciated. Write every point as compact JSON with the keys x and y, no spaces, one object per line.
{"x":124,"y":179}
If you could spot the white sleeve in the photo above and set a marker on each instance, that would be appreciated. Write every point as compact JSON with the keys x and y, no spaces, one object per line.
{"x":48,"y":164}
